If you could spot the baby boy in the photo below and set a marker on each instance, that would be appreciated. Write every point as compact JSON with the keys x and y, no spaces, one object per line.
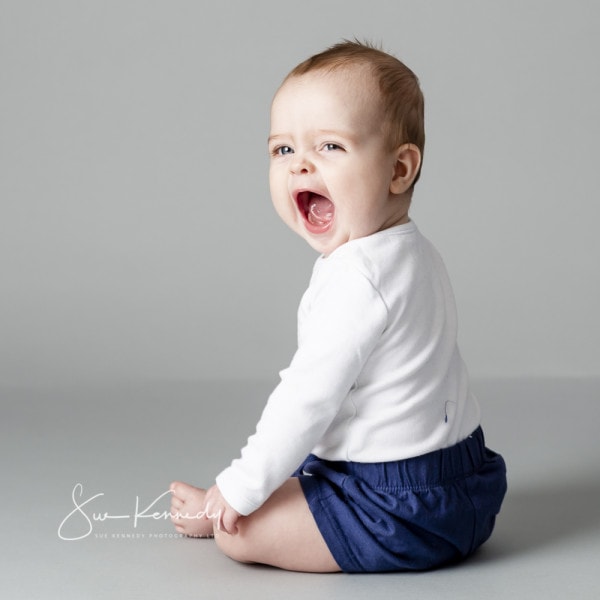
{"x":369,"y":455}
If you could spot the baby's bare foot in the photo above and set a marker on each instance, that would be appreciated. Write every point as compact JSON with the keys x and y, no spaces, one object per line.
{"x":187,"y":510}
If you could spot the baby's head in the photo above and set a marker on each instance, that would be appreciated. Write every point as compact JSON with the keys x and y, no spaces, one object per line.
{"x":392,"y":87}
{"x":346,"y":143}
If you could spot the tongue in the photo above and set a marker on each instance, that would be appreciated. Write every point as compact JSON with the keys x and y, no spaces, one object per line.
{"x":320,"y":210}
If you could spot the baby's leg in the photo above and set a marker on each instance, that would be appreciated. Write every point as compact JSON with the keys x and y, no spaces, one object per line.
{"x":187,"y":503}
{"x":281,"y":533}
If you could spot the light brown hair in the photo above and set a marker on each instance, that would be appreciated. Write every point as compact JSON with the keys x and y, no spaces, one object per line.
{"x":401,"y":96}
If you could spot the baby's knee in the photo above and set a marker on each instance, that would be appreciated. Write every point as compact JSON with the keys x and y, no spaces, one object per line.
{"x":234,"y":546}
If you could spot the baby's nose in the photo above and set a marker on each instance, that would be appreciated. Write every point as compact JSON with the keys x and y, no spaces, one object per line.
{"x":301,"y":165}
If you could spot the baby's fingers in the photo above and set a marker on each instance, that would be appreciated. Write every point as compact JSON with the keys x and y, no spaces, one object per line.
{"x":229,"y":521}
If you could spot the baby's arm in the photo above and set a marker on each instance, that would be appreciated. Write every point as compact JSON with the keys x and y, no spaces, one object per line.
{"x":343,"y":322}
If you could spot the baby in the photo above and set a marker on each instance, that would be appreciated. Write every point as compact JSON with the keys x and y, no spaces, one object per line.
{"x":369,"y":455}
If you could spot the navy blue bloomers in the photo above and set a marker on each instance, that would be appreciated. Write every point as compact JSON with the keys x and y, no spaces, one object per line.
{"x":414,"y":514}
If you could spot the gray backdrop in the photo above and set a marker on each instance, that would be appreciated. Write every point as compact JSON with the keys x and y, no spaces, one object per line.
{"x":137,"y":238}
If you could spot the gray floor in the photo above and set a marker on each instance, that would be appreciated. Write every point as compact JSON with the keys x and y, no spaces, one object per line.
{"x":123,"y":445}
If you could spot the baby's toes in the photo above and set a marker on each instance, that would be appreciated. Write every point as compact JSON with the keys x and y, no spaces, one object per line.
{"x":184,"y":491}
{"x":176,"y":506}
{"x":176,"y":489}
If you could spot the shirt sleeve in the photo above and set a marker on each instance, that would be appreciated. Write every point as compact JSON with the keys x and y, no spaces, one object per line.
{"x":345,"y":319}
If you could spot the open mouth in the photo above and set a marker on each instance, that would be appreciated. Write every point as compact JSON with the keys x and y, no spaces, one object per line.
{"x":316,"y":209}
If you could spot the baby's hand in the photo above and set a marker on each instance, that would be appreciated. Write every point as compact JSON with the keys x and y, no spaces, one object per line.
{"x":217,"y":508}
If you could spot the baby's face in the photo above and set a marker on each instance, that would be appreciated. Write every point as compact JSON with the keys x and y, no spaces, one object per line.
{"x":331,"y":169}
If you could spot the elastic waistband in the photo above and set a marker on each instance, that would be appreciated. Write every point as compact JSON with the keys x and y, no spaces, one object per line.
{"x":435,"y":468}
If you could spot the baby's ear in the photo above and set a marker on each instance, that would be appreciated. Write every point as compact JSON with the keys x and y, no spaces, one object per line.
{"x":408,"y":161}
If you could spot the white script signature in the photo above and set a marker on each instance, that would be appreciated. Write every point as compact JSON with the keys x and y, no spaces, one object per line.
{"x":87,"y":521}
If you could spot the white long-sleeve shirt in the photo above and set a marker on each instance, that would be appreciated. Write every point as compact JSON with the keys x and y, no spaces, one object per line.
{"x":377,"y":375}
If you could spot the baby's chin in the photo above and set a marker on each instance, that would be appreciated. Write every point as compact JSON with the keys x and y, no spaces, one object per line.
{"x":333,"y":239}
{"x":324,"y":244}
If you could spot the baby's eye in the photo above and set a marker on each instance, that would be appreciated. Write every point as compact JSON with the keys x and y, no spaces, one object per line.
{"x":282,"y":150}
{"x":331,"y":146}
